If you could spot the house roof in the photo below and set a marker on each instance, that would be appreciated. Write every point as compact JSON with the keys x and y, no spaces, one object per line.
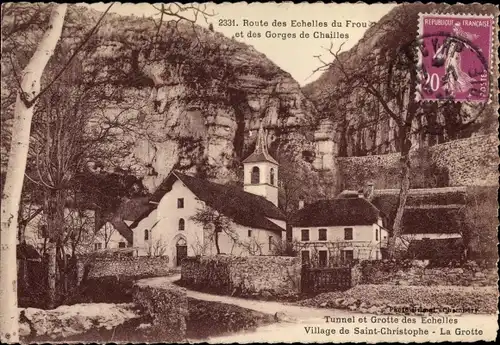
{"x":342,"y":211}
{"x":242,"y":207}
{"x":430,"y":210}
{"x":135,"y":208}
{"x":27,"y":252}
{"x":123,"y":229}
{"x":260,"y":154}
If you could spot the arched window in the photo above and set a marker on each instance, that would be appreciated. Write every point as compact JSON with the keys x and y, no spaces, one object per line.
{"x":255,"y":179}
{"x":271,"y":175}
{"x":182,"y":224}
{"x":146,"y":235}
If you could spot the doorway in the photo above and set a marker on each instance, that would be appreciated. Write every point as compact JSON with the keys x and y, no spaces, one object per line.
{"x":181,"y":251}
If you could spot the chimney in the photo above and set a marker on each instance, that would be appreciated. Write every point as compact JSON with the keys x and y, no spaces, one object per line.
{"x":301,"y":204}
{"x":369,"y":189}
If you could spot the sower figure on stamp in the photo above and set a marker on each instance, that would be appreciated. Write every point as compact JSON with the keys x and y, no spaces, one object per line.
{"x":455,"y":79}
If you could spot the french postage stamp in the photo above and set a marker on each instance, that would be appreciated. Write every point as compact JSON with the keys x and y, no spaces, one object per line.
{"x":455,"y":57}
{"x":248,"y":173}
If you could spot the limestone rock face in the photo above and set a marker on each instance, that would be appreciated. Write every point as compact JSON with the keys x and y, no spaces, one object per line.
{"x":198,"y":96}
{"x":201,"y":96}
{"x":362,"y":124}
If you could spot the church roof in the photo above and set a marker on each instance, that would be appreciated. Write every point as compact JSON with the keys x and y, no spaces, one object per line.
{"x":260,"y":154}
{"x":337,"y":212}
{"x":244,"y":208}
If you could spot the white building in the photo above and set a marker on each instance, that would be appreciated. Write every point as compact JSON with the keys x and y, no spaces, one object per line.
{"x":339,"y":230}
{"x":256,"y":224}
{"x":80,"y":229}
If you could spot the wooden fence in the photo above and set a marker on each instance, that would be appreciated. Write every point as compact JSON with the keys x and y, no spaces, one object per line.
{"x":315,"y":280}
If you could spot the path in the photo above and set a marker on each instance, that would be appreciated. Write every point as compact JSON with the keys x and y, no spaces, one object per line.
{"x":294,"y":319}
{"x":292,"y":312}
{"x":305,"y":324}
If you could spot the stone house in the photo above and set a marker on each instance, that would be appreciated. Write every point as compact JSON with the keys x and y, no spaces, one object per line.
{"x":256,"y":223}
{"x":340,"y":230}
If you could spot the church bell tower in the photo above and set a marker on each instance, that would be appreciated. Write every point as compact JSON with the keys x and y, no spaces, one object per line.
{"x":261,"y":171}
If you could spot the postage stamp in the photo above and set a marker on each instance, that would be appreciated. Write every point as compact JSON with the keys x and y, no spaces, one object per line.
{"x":248,"y":173}
{"x":455,"y":57}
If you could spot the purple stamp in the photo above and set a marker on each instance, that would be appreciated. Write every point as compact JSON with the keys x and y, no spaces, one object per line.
{"x":454,"y":57}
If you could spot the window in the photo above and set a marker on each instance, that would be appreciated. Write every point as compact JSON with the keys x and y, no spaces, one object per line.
{"x":270,"y":242}
{"x":305,"y":257}
{"x":255,"y":177}
{"x":347,"y":234}
{"x":322,"y":235}
{"x":271,"y":177}
{"x":376,"y":234}
{"x":42,"y":231}
{"x":146,"y":235}
{"x":249,"y":233}
{"x":97,"y":246}
{"x":122,"y":245}
{"x":323,"y":256}
{"x":182,"y":224}
{"x":347,"y":255}
{"x":305,"y":235}
{"x":180,"y":203}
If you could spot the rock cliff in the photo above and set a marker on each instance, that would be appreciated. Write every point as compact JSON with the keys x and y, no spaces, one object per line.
{"x":198,"y":95}
{"x":362,"y":126}
{"x":203,"y":95}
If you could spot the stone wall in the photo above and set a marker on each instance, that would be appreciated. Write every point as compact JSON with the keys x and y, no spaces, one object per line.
{"x":253,"y":276}
{"x":468,"y":162}
{"x":141,"y":266}
{"x":417,"y":273}
{"x":471,"y":162}
{"x":167,"y":308}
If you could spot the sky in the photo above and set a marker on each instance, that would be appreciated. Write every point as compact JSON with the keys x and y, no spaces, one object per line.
{"x":345,"y":23}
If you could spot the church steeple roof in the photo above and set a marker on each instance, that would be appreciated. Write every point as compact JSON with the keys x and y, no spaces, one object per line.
{"x":260,"y":154}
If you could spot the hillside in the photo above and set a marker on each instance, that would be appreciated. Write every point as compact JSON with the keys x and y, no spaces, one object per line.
{"x":362,"y":125}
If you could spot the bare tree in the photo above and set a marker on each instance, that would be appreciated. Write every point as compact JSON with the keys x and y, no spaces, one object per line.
{"x":214,"y":223}
{"x":27,"y":96}
{"x":157,"y":248}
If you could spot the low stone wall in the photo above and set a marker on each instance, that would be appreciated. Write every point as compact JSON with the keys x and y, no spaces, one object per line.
{"x":141,"y":266}
{"x":417,"y":273}
{"x":265,"y":277}
{"x":167,"y":308}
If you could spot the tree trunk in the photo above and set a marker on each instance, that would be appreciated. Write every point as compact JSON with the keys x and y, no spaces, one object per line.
{"x":216,"y":240}
{"x":23,"y":113}
{"x":403,"y":192}
{"x":51,"y":275}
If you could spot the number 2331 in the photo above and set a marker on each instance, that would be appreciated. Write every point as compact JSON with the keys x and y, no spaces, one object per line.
{"x":227,"y":22}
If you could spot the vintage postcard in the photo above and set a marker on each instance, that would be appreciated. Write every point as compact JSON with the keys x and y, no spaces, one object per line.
{"x":249,"y":172}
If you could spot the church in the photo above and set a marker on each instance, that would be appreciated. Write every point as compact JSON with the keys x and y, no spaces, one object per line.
{"x":253,"y":223}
